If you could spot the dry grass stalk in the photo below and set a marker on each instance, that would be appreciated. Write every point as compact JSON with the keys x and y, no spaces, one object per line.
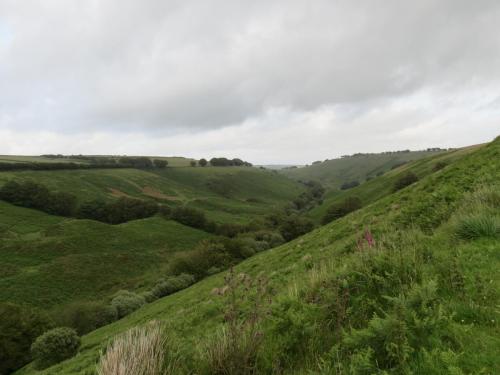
{"x":139,"y":351}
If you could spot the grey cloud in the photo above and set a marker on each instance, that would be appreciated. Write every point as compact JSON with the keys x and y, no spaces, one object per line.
{"x":176,"y":65}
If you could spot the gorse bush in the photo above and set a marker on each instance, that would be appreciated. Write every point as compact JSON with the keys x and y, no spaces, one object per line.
{"x":19,"y":327}
{"x":143,"y":350}
{"x":55,"y":346}
{"x":125,"y":302}
{"x":477,"y":226}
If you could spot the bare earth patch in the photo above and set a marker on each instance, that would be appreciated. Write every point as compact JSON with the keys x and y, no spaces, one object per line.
{"x":152,"y":192}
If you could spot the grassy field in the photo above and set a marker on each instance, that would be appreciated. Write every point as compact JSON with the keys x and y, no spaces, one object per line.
{"x":333,"y":173}
{"x":421,"y":298}
{"x":48,"y":261}
{"x":227,"y":194}
{"x":370,"y":191}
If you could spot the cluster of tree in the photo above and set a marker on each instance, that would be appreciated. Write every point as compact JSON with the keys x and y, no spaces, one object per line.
{"x":33,"y":195}
{"x":309,"y":198}
{"x":119,"y":211}
{"x":338,"y":210}
{"x":142,"y":162}
{"x":224,"y":162}
{"x":349,"y":185}
{"x":55,"y":166}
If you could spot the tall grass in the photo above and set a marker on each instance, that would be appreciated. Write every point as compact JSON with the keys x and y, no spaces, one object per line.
{"x":477,"y":226}
{"x":139,"y":351}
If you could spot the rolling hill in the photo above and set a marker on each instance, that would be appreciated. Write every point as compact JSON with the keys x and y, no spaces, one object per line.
{"x":226,"y":194}
{"x":359,"y":167}
{"x":407,"y":284}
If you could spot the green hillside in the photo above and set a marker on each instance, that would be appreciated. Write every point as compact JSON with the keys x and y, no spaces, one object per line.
{"x":227,"y":194}
{"x":48,"y":261}
{"x":406,"y":285}
{"x":333,"y":173}
{"x":373,"y":189}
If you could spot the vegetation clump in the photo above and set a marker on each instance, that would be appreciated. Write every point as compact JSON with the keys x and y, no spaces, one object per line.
{"x":405,"y":180}
{"x":476,"y":226}
{"x":349,"y":185}
{"x":125,"y":302}
{"x":140,"y":351}
{"x":19,"y":327}
{"x":338,"y":210}
{"x":55,"y":346}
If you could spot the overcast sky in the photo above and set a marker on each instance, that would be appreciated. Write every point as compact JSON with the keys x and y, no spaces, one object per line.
{"x":268,"y":81}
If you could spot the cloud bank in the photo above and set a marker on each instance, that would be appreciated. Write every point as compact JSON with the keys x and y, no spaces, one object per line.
{"x":282,"y":81}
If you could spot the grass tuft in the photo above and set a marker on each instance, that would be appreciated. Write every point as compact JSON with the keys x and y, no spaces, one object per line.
{"x":478,"y":226}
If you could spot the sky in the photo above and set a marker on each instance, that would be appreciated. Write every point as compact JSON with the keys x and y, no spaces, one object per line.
{"x":271,"y":82}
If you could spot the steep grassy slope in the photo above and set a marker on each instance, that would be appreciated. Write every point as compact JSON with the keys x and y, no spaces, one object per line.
{"x":382,"y":186}
{"x":392,"y":287}
{"x":48,"y":261}
{"x":227,"y":194}
{"x":333,"y":173}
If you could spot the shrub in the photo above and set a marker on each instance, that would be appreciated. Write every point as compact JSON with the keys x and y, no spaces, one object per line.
{"x":341,"y":209}
{"x":208,"y":254}
{"x":139,"y":351}
{"x":294,"y":226}
{"x":272,"y":238}
{"x":160,"y":163}
{"x":55,"y":346}
{"x":172,"y":284}
{"x":235,"y":347}
{"x":86,"y":316}
{"x":125,"y":209}
{"x":349,"y":185}
{"x":405,"y":180}
{"x":126,"y":302}
{"x":19,"y":327}
{"x":192,"y":163}
{"x":439,"y":165}
{"x":477,"y":226}
{"x":190,"y":217}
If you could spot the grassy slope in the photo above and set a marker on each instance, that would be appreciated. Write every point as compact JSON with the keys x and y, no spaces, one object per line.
{"x":377,"y":188}
{"x":333,"y":173}
{"x":427,"y":207}
{"x":222,"y":192}
{"x":47,"y":261}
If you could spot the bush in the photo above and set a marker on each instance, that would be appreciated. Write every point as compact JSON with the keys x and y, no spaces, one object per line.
{"x":341,"y":209}
{"x":34,"y":195}
{"x":55,"y":346}
{"x":125,"y":209}
{"x":272,"y":238}
{"x":349,"y":185}
{"x":126,"y":302}
{"x":19,"y":327}
{"x":172,"y":284}
{"x":405,"y":180}
{"x":294,"y":226}
{"x":477,"y":226}
{"x":190,"y":217}
{"x":86,"y":316}
{"x":160,"y":163}
{"x":207,"y":255}
{"x":439,"y":165}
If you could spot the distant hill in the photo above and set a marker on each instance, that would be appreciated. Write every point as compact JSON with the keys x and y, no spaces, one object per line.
{"x":407,"y":284}
{"x":226,"y":194}
{"x":359,"y":167}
